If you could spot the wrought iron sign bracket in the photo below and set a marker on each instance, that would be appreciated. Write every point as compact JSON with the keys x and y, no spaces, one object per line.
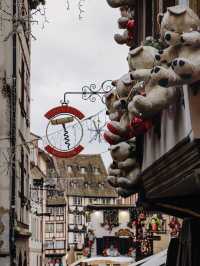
{"x":90,"y":92}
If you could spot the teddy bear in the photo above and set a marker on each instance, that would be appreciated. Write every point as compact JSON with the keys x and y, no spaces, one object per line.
{"x":115,"y":100}
{"x":141,"y":60}
{"x":157,"y":98}
{"x":181,"y":59}
{"x":179,"y":30}
{"x":176,"y":65}
{"x":124,"y":172}
{"x":125,"y":128}
{"x":119,"y":3}
{"x":116,"y":103}
{"x":177,"y":21}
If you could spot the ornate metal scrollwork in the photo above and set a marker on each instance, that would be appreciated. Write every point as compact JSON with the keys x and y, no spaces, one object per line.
{"x":90,"y":92}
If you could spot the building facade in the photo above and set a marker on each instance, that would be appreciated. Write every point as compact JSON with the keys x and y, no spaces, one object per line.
{"x":55,"y":228}
{"x":39,"y":161}
{"x":15,"y":47}
{"x":14,"y":131}
{"x":83,"y":179}
{"x":55,"y":212}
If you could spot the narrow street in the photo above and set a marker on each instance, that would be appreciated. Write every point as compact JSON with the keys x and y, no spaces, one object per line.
{"x":99,"y":132}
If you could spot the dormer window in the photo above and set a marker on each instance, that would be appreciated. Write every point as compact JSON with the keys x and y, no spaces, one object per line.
{"x":69,"y":169}
{"x":101,"y":185}
{"x":73,"y":184}
{"x":96,"y":171}
{"x":83,"y":171}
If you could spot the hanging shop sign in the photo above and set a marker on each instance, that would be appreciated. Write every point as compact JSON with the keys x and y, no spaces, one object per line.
{"x":64,"y":131}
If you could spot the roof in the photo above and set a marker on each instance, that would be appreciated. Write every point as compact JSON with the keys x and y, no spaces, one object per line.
{"x":35,"y":136}
{"x":36,"y":172}
{"x":92,"y":182}
{"x":44,"y":155}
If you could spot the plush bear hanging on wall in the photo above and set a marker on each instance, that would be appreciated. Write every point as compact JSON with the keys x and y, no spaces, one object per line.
{"x":180,"y":31}
{"x":124,"y":171}
{"x":153,"y":83}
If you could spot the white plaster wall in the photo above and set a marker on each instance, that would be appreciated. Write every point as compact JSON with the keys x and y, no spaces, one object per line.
{"x":175,"y":126}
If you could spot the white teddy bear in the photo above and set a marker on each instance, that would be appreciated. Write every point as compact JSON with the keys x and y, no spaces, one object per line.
{"x":177,"y":21}
{"x":116,"y":99}
{"x":141,"y":60}
{"x":119,"y":3}
{"x":117,"y":103}
{"x":179,"y":29}
{"x":124,"y":171}
{"x":157,"y":98}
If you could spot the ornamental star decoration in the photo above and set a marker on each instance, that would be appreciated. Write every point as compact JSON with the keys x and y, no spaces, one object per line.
{"x":96,"y":130}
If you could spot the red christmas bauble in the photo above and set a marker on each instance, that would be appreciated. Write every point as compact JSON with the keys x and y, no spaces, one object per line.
{"x":130,"y":24}
{"x":140,"y":126}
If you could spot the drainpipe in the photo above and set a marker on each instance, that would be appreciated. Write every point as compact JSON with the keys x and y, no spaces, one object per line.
{"x":13,"y":154}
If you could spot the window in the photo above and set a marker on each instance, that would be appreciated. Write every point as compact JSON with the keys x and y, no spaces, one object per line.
{"x":57,"y":211}
{"x":50,"y":210}
{"x":61,"y":211}
{"x":77,"y":238}
{"x":49,"y":245}
{"x":73,"y":184}
{"x":110,"y":216}
{"x":83,"y":170}
{"x":49,"y":228}
{"x":88,"y":217}
{"x":107,"y":201}
{"x":96,"y":171}
{"x":60,"y":244}
{"x":60,"y":228}
{"x":103,"y":201}
{"x":78,"y":219}
{"x":69,"y":169}
{"x":101,"y":185}
{"x":22,"y":171}
{"x":77,"y":200}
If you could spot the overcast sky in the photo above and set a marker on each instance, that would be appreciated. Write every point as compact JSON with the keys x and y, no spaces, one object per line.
{"x":70,"y":53}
